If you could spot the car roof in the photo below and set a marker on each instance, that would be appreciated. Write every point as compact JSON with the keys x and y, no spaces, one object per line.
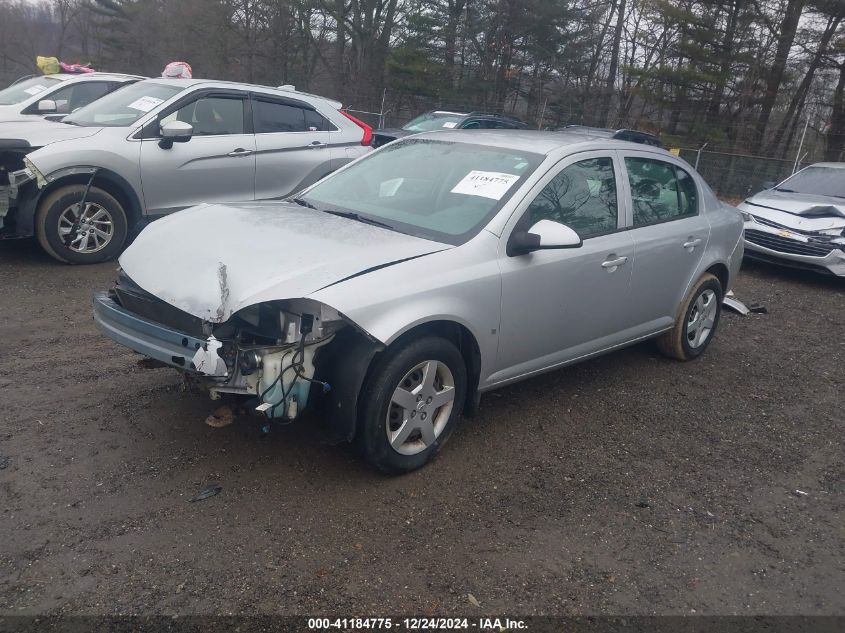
{"x":606,"y":131}
{"x":830,"y":165}
{"x":281,"y":90}
{"x":536,"y":141}
{"x":476,"y":113}
{"x":94,"y":75}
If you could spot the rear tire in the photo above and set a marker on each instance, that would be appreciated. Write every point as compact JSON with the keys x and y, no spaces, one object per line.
{"x":697,"y":321}
{"x":410,"y":404}
{"x":69,"y":235}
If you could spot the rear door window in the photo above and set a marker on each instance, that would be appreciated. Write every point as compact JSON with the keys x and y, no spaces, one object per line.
{"x":274,"y":117}
{"x":660,"y":191}
{"x":277,"y":117}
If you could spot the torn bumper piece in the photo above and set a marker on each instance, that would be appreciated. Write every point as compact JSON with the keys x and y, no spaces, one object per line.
{"x":13,"y":189}
{"x":279,"y":377}
{"x":164,"y":344}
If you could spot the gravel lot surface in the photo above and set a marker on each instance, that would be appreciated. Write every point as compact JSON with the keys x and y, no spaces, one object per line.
{"x":629,"y":484}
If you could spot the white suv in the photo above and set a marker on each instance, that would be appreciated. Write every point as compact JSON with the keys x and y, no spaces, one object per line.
{"x":162,"y":145}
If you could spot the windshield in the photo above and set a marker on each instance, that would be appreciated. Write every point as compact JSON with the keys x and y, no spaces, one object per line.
{"x":26,"y":89}
{"x":433,"y":121}
{"x":125,"y":106}
{"x":462,"y":186}
{"x":819,"y":181}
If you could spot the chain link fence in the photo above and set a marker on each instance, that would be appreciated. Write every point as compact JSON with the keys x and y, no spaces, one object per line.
{"x":739,"y":175}
{"x":731,"y":175}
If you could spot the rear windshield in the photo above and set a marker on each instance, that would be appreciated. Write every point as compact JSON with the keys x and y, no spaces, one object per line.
{"x":434,"y":121}
{"x":460,"y":189}
{"x":23,"y":90}
{"x":125,"y":106}
{"x":818,"y":180}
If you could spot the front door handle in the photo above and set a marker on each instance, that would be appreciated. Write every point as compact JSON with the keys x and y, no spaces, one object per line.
{"x":612,"y":264}
{"x":691,"y":243}
{"x":240,"y":152}
{"x":317,"y":145}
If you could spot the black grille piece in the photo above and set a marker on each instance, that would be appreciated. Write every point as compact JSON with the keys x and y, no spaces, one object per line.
{"x":787,"y":245}
{"x":140,"y":302}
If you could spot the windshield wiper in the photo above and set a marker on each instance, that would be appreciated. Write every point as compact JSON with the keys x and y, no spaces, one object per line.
{"x":784,"y":190}
{"x":351,"y":215}
{"x":303,"y":203}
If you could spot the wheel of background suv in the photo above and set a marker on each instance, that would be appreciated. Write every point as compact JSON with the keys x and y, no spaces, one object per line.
{"x":699,"y":318}
{"x":81,"y":236}
{"x":410,"y":403}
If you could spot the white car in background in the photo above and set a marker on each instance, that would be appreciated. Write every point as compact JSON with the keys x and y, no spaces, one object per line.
{"x":54,"y":96}
{"x":800,"y":222}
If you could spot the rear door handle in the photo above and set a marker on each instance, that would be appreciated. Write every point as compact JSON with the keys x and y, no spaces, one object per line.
{"x":691,"y":243}
{"x":317,"y":145}
{"x":613,"y":264}
{"x":240,"y":152}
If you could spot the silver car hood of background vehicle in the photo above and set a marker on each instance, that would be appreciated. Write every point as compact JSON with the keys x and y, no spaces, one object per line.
{"x":40,"y":133}
{"x":213,"y":260}
{"x":799,"y":203}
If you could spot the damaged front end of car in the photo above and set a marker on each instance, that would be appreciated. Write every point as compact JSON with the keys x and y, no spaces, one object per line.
{"x":811,"y":236}
{"x":279,"y":357}
{"x":19,"y":180}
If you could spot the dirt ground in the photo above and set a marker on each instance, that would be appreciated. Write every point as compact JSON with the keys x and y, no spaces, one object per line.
{"x":625,"y":485}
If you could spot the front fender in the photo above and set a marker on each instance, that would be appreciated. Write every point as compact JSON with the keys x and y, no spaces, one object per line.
{"x":460,"y":285}
{"x":78,"y":174}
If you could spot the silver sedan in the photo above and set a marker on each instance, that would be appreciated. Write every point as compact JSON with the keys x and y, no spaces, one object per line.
{"x":391,"y":294}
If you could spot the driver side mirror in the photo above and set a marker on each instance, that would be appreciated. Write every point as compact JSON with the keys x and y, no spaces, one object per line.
{"x":47,"y":106}
{"x":544,"y":235}
{"x":175,"y":132}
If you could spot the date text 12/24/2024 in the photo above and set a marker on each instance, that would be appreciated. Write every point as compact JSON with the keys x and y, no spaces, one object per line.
{"x":417,"y":624}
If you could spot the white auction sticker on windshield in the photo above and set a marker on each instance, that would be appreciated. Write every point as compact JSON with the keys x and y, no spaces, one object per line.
{"x":145,"y":104}
{"x":488,"y":184}
{"x":450,"y":124}
{"x":34,"y":90}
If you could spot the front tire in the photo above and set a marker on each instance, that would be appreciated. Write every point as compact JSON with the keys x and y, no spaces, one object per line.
{"x":410,"y":404}
{"x":697,"y":321}
{"x":73,"y":235}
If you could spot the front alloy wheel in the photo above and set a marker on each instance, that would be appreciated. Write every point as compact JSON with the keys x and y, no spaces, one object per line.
{"x":410,"y":403}
{"x":80,"y":232}
{"x":420,"y":407}
{"x":86,"y":230}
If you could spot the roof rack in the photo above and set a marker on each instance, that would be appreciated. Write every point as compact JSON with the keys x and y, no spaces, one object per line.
{"x":501,"y":115}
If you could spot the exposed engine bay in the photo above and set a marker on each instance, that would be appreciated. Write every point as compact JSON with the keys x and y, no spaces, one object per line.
{"x":270,"y":353}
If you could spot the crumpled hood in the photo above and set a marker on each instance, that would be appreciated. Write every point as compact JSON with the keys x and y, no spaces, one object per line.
{"x":799,"y":203}
{"x":212,"y":260}
{"x":40,"y":132}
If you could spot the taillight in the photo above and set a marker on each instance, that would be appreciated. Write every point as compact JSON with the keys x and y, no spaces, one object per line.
{"x":368,"y":131}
